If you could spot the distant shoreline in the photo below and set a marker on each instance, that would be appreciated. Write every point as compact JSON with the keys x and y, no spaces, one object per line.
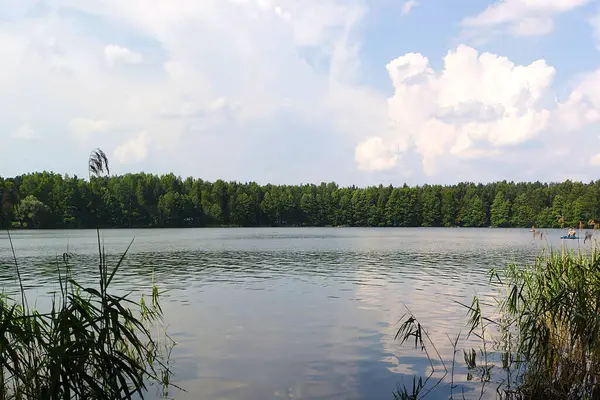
{"x":47,"y":200}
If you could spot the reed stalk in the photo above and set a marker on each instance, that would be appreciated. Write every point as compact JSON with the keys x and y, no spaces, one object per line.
{"x":545,"y":330}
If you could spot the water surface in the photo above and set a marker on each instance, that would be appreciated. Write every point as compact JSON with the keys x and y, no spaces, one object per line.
{"x":293,"y":313}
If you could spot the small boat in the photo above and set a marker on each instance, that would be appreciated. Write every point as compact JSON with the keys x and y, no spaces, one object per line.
{"x":572,"y":234}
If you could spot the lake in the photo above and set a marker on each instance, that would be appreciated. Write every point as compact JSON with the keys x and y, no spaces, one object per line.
{"x":294,"y":313}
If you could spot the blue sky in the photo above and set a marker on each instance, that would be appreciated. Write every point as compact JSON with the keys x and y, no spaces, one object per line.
{"x":294,"y":91}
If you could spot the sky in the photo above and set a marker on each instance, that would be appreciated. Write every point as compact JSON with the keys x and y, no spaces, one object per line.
{"x":361,"y":92}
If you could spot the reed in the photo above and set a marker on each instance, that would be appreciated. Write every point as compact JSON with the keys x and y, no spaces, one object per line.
{"x":543,"y":340}
{"x":92,"y":344}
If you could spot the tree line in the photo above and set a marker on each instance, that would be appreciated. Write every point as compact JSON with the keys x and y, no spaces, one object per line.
{"x":49,"y":200}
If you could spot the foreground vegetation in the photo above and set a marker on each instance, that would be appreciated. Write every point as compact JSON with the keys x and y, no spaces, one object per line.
{"x":46,"y":200}
{"x":543,"y":341}
{"x":91,"y":344}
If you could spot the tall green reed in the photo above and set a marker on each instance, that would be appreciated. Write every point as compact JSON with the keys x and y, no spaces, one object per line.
{"x":543,"y":338}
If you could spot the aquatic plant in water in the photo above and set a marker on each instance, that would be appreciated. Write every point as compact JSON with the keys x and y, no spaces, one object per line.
{"x":543,"y":340}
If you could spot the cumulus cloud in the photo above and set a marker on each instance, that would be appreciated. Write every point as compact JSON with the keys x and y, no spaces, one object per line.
{"x":576,"y":112}
{"x":476,"y":99}
{"x":522,"y":17}
{"x":582,"y":107}
{"x":133,"y":150}
{"x":270,"y":76}
{"x":25,"y":132}
{"x":409,"y":5}
{"x":116,"y":54}
{"x":262,"y":64}
{"x":373,"y":154}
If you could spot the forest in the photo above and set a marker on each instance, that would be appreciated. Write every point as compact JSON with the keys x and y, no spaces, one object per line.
{"x":49,"y":200}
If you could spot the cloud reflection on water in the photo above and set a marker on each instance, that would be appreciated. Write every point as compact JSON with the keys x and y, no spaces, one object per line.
{"x":291,"y":313}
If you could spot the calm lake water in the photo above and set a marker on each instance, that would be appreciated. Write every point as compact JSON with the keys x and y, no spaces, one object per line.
{"x":294,"y":313}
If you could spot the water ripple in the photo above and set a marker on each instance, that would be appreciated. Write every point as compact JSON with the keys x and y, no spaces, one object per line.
{"x":289,"y":313}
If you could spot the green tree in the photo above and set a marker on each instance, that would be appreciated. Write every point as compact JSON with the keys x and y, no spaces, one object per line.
{"x":170,"y":209}
{"x":220,"y":199}
{"x":243,"y":213}
{"x":449,"y":206}
{"x":310,"y":208}
{"x":473,"y":213}
{"x":393,"y":212}
{"x":7,"y":202}
{"x":522,"y":212}
{"x":360,"y":208}
{"x":585,"y":207}
{"x":288,"y":209}
{"x":344,"y":212}
{"x":500,"y":211}
{"x":432,"y":206}
{"x":146,"y":200}
{"x":410,"y":207}
{"x":32,"y":212}
{"x":270,"y":209}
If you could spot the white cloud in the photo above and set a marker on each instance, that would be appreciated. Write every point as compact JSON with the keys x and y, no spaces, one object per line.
{"x":25,"y":132}
{"x":522,"y":17}
{"x":595,"y":160}
{"x":576,"y":112}
{"x":133,"y":150}
{"x":373,"y":154}
{"x":243,"y":89}
{"x":477,"y":99}
{"x":409,"y":5}
{"x":84,"y":127}
{"x":532,"y":26}
{"x":275,"y":67}
{"x":116,"y":54}
{"x":582,"y":107}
